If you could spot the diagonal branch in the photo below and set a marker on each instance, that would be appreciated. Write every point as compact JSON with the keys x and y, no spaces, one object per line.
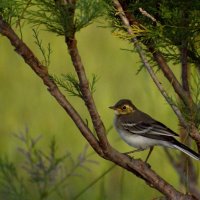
{"x":84,"y":84}
{"x":22,"y":49}
{"x":87,"y":96}
{"x":143,"y":171}
{"x":181,"y":90}
{"x":135,"y":166}
{"x":171,"y":78}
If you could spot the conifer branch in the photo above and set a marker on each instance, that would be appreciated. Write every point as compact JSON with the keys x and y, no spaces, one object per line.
{"x":22,"y":49}
{"x":135,"y":166}
{"x":126,"y":23}
{"x":85,"y":90}
{"x":171,"y":78}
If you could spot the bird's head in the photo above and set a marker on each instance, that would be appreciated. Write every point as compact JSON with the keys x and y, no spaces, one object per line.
{"x":123,"y":107}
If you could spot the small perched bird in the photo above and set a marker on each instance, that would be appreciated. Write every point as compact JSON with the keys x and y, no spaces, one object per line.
{"x":141,"y":131}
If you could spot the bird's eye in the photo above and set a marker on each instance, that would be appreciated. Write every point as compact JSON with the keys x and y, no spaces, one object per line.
{"x":124,"y":107}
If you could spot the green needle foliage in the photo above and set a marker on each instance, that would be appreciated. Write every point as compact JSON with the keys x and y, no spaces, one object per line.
{"x":71,"y":84}
{"x":12,"y":186}
{"x":55,"y":18}
{"x":60,"y":18}
{"x":46,"y":54}
{"x":87,"y":12}
{"x":176,"y":26}
{"x":66,"y":18}
{"x":10,"y":9}
{"x":41,"y":175}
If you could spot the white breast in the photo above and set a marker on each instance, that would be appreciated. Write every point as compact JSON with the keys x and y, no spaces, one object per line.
{"x":141,"y":142}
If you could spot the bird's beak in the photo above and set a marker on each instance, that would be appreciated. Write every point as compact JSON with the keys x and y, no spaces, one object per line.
{"x":112,"y":107}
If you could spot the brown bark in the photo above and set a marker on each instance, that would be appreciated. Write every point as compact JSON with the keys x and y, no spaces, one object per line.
{"x":172,"y":78}
{"x":22,"y":49}
{"x":87,"y":96}
{"x":137,"y":167}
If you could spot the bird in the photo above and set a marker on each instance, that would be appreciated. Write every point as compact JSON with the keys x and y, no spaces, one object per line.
{"x":141,"y":131}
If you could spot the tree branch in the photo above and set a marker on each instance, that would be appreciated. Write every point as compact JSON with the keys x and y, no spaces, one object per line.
{"x":22,"y":49}
{"x":182,"y":91}
{"x":171,"y":78}
{"x":185,"y":71}
{"x":84,"y":84}
{"x":143,"y":171}
{"x":195,"y":135}
{"x":146,"y":63}
{"x":159,"y":58}
{"x":135,"y":166}
{"x":87,"y":96}
{"x":184,"y":55}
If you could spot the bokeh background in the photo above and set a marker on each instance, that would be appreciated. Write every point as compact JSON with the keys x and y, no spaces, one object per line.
{"x":25,"y":102}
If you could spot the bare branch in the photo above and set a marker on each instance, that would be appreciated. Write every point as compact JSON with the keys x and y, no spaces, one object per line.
{"x":87,"y":96}
{"x":143,"y":171}
{"x":84,"y":83}
{"x":172,"y":78}
{"x":185,"y":69}
{"x":145,"y":13}
{"x":22,"y":49}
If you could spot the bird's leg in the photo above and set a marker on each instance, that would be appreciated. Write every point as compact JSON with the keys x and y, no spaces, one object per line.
{"x":137,"y":150}
{"x":129,"y":152}
{"x":150,"y":151}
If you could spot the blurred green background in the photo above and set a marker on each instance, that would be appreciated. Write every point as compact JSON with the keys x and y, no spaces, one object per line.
{"x":25,"y":102}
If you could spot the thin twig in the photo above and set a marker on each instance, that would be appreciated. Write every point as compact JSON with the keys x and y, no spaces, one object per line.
{"x":145,"y":13}
{"x":171,"y":77}
{"x":22,"y":13}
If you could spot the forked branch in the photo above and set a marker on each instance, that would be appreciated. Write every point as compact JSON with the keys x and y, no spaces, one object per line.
{"x":23,"y":50}
{"x":135,"y":166}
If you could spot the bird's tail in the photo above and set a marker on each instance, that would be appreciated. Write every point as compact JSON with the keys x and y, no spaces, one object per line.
{"x":186,"y":150}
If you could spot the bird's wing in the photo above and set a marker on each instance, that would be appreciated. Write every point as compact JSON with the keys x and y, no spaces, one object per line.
{"x":147,"y":129}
